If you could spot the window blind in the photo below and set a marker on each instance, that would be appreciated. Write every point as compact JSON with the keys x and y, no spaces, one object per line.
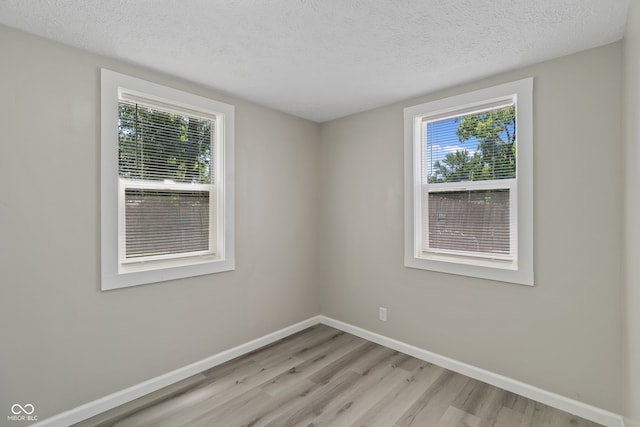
{"x":476,"y":221}
{"x":468,"y":176}
{"x":167,"y":178}
{"x":161,"y":145}
{"x":166,"y":222}
{"x":479,"y":146}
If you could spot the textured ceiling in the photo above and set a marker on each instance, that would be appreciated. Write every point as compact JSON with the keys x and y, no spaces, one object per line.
{"x":323,"y":59}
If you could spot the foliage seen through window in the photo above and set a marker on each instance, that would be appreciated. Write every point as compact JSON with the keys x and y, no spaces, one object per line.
{"x":156,"y":145}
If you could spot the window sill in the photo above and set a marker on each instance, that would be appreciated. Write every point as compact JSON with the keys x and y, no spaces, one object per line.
{"x":505,"y":272}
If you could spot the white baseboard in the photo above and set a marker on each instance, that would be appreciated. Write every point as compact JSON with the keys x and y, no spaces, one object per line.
{"x":571,"y":406}
{"x":111,"y":401}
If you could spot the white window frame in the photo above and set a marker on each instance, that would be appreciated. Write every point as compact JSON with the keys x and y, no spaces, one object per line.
{"x":516,"y":268}
{"x":116,"y":271}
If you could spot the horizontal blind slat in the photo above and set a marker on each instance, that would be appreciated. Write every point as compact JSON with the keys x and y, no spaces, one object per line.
{"x":159,"y":145}
{"x":476,"y":221}
{"x":470,"y":147}
{"x":159,"y":222}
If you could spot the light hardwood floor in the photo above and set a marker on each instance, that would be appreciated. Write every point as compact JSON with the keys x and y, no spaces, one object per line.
{"x":325,"y":377}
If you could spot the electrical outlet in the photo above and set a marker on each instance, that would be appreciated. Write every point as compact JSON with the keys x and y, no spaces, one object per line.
{"x":382,"y":313}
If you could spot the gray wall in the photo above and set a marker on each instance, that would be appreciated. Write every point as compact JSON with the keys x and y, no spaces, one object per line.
{"x":632,"y":221}
{"x":63,"y":342}
{"x":563,"y":335}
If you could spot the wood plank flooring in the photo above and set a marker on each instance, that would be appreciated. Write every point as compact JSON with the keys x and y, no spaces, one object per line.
{"x":325,"y":377}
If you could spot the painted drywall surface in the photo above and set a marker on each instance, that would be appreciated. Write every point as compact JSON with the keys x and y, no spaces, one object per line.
{"x":63,"y":342}
{"x":563,"y":334}
{"x":631,"y":390}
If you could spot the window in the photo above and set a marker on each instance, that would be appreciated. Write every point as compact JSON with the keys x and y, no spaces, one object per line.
{"x":166,"y":181}
{"x":469,"y":184}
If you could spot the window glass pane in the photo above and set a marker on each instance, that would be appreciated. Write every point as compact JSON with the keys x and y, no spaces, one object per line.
{"x":156,"y":145}
{"x":471,"y":147}
{"x":472,"y":221}
{"x":160,"y":222}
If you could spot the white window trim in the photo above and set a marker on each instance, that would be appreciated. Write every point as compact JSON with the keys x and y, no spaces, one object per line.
{"x":521,"y":270}
{"x":116,"y":274}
